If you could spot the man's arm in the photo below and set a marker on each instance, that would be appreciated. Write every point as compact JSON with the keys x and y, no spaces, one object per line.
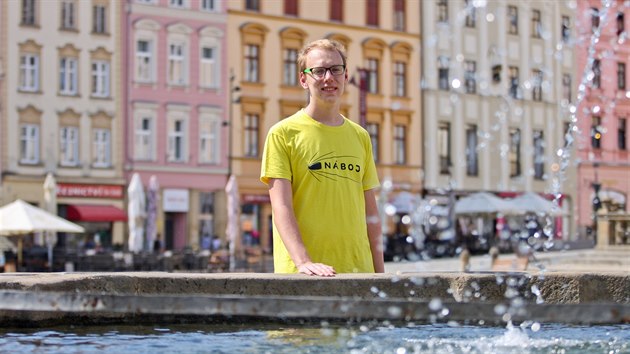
{"x":281,"y":196}
{"x":374,"y":231}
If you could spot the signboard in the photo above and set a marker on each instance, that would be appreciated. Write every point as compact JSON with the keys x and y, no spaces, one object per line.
{"x":175,"y":200}
{"x":256,"y":199}
{"x":71,"y":190}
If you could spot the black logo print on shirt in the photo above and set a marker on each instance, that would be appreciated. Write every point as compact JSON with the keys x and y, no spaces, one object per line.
{"x":333,"y":167}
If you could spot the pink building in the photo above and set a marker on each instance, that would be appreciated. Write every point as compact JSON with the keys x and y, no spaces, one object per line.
{"x":604,"y":112}
{"x":175,"y":92}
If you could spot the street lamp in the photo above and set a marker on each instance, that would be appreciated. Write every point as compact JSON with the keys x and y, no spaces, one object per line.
{"x":230,"y":121}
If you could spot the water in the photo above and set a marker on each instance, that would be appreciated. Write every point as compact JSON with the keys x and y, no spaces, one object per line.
{"x":529,"y":338}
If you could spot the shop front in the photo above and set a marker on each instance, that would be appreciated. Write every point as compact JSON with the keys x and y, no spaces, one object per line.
{"x":99,"y":209}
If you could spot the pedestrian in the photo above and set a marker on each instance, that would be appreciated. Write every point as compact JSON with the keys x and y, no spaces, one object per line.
{"x":321,"y":176}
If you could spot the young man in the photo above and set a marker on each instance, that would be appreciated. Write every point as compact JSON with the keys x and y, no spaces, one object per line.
{"x":321,"y":177}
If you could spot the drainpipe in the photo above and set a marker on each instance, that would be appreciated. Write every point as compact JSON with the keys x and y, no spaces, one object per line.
{"x":423,"y":190}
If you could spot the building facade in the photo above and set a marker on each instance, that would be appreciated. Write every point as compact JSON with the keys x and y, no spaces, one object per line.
{"x":604,"y":110}
{"x":61,"y":112}
{"x":497,"y":88}
{"x":175,"y":89}
{"x":382,"y":39}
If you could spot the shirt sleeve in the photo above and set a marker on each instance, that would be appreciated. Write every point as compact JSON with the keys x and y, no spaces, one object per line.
{"x":276,"y":162}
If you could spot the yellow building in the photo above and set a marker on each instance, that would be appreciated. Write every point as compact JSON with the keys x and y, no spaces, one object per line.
{"x":381,"y":37}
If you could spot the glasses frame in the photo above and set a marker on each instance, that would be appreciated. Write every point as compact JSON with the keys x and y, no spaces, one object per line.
{"x":310,"y":71}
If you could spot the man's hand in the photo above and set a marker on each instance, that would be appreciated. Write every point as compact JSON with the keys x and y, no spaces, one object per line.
{"x":319,"y":269}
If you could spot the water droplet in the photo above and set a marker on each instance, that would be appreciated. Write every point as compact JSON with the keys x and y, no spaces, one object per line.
{"x":500,"y":309}
{"x":394,"y":311}
{"x":535,"y":327}
{"x":435,"y":304}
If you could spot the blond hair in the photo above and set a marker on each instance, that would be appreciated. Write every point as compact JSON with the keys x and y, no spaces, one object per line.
{"x":326,"y":44}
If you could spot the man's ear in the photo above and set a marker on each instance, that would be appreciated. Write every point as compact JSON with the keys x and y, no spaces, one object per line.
{"x":303,"y":82}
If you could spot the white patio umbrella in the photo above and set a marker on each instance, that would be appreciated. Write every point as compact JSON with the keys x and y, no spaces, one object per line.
{"x":232,"y":230}
{"x":483,"y":203}
{"x":136,"y":212}
{"x":530,"y":202}
{"x":50,"y":204}
{"x":21,"y":218}
{"x":152,"y":209}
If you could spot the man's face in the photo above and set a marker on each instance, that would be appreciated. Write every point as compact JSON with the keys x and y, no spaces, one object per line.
{"x":327,"y":87}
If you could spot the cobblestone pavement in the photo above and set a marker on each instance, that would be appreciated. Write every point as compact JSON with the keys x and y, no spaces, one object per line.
{"x":615,"y":258}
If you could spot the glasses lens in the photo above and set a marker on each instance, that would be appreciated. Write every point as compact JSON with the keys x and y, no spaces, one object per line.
{"x":337,"y":69}
{"x":319,"y":72}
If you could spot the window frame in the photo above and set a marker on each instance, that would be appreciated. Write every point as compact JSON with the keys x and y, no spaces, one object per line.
{"x":472,"y":156}
{"x":145,"y":61}
{"x":443,"y":73}
{"x":444,"y":148}
{"x":29,"y":144}
{"x":512,"y":19}
{"x":536,"y":24}
{"x":101,"y":78}
{"x":400,"y":144}
{"x":252,"y":63}
{"x":176,"y":140}
{"x":537,"y":83}
{"x":622,"y":134}
{"x":289,"y":67}
{"x":621,"y":76}
{"x":336,"y":10}
{"x":515,"y":152}
{"x":28,"y":15}
{"x":144,"y":137}
{"x":251,"y":128}
{"x":68,"y":76}
{"x":99,"y":19}
{"x":29,"y":72}
{"x":400,"y":78}
{"x":373,"y":130}
{"x":442,"y":11}
{"x":209,"y":140}
{"x":101,"y":148}
{"x":470,"y":76}
{"x":68,"y":15}
{"x":372,"y":77}
{"x":539,"y":154}
{"x":69,"y":142}
{"x":177,"y":59}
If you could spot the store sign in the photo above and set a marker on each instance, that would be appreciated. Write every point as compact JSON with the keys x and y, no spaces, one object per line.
{"x":71,"y":190}
{"x":175,"y":200}
{"x":256,"y":198}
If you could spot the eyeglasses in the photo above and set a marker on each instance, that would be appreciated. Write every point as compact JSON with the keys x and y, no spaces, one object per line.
{"x":320,"y":72}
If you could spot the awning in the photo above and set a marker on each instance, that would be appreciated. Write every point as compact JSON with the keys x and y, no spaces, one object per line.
{"x":87,"y":212}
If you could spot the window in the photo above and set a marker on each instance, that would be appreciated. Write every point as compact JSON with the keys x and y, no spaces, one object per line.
{"x":512,"y":13}
{"x":443,"y":64}
{"x":496,"y":73}
{"x":209,"y":67}
{"x":336,"y":10}
{"x":371,"y":13}
{"x":400,"y":145}
{"x":101,"y":148}
{"x":290,"y":67}
{"x":400,"y":79}
{"x":597,"y":73}
{"x":68,"y":76}
{"x":566,"y":88}
{"x":29,"y":13}
{"x":144,"y":61}
{"x":444,"y":147}
{"x":176,"y":69}
{"x":372,"y":75}
{"x":566,"y":29}
{"x":251,"y":63}
{"x":176,"y":141}
{"x":594,"y":19}
{"x":178,"y":3}
{"x":251,"y":135}
{"x":536,"y":24}
{"x":29,"y":144}
{"x":442,"y":11}
{"x":373,"y":130}
{"x":29,"y":72}
{"x":596,"y":132}
{"x":144,"y":139}
{"x":252,"y":5}
{"x":206,"y":218}
{"x":621,"y":26}
{"x":621,"y":134}
{"x":470,"y":76}
{"x":514,"y":82}
{"x":209,"y":5}
{"x":99,"y":23}
{"x":621,"y":76}
{"x":568,"y":138}
{"x":69,"y":146}
{"x":537,"y":79}
{"x":291,"y":7}
{"x":68,"y":20}
{"x":209,"y":139}
{"x":472,"y":158}
{"x":399,"y":15}
{"x":539,"y":155}
{"x":471,"y":14}
{"x":100,"y":79}
{"x":515,"y":152}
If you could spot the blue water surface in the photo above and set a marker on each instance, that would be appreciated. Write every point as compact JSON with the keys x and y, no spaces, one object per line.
{"x":326,"y":338}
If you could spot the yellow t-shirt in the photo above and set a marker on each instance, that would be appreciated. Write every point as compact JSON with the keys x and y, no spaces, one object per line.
{"x":329,"y":169}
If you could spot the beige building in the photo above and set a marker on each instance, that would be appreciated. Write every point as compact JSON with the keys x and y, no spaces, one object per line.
{"x":383,"y":40}
{"x":59,"y":109}
{"x":498,"y":82}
